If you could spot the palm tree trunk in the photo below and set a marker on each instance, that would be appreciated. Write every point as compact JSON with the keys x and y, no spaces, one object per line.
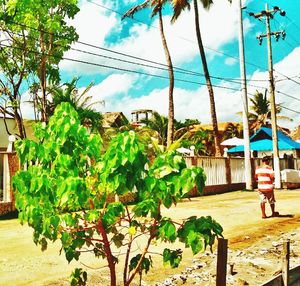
{"x":170,"y":136}
{"x":208,"y":83}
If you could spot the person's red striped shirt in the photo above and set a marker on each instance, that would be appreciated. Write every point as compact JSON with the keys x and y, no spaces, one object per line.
{"x":264,"y":176}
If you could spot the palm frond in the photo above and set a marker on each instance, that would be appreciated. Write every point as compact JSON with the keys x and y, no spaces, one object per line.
{"x":178,"y":7}
{"x":135,"y":9}
{"x":206,"y":3}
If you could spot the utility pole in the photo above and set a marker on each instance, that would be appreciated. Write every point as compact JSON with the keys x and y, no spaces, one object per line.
{"x":270,"y":14}
{"x":248,"y":172}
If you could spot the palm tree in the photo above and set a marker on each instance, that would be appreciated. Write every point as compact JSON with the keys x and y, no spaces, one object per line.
{"x":178,"y":7}
{"x":260,"y":112}
{"x":68,"y":92}
{"x":157,"y":6}
{"x":157,"y":126}
{"x":233,"y":130}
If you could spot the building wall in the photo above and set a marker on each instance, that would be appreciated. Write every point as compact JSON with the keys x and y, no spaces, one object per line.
{"x":3,"y":134}
{"x":12,"y":128}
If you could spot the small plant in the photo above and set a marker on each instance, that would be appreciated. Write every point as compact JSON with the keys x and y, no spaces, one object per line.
{"x":65,"y":194}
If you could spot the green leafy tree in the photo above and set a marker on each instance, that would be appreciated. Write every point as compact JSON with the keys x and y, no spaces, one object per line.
{"x":157,"y":7}
{"x":46,"y":36}
{"x":67,"y":194}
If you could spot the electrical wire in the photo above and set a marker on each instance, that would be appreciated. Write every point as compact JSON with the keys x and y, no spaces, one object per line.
{"x":142,"y":59}
{"x":131,"y":71}
{"x":147,"y":74}
{"x":280,"y":92}
{"x":176,"y":69}
{"x":117,"y":68}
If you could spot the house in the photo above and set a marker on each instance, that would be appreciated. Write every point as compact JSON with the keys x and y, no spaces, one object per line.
{"x":9,"y":127}
{"x":261,"y":144}
{"x":114,"y":119}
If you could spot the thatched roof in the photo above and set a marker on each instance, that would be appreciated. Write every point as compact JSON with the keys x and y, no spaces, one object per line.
{"x":113,"y":119}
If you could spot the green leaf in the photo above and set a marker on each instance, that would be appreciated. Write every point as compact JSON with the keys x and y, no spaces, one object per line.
{"x":167,"y":231}
{"x":172,"y":257}
{"x":195,"y":241}
{"x":145,"y":265}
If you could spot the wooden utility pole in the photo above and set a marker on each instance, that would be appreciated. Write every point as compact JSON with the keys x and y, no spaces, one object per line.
{"x":248,"y":173}
{"x":270,"y":14}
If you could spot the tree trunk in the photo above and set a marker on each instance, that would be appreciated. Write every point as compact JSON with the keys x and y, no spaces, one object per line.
{"x":109,"y":255}
{"x":170,"y":134}
{"x":20,"y":125}
{"x":43,"y":78}
{"x":208,"y":83}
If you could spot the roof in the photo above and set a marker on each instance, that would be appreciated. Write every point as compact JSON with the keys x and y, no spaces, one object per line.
{"x":262,"y":141}
{"x":233,"y":142}
{"x":221,"y":126}
{"x":113,"y":119}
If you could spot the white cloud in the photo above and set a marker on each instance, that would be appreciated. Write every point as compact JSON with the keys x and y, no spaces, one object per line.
{"x":111,"y":88}
{"x":94,"y":24}
{"x":230,"y":61}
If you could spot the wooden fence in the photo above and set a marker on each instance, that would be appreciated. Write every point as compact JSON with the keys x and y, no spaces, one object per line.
{"x":222,"y":174}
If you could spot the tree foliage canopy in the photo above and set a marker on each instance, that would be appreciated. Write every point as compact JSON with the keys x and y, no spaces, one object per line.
{"x":66,"y":194}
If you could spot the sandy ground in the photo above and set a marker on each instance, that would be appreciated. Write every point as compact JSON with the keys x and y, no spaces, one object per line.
{"x":254,"y":246}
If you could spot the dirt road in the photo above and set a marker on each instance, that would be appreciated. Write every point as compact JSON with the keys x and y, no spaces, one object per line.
{"x":22,"y":263}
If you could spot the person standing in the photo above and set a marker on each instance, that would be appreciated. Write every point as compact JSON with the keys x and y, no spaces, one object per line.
{"x":264,"y":175}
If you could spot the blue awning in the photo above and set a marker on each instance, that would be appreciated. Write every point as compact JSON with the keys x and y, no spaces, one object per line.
{"x":267,"y":145}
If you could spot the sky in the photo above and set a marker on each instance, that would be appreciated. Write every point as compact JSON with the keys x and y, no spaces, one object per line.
{"x":126,"y":61}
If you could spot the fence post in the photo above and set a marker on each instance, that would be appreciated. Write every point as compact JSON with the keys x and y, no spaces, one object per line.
{"x":228,"y":172}
{"x":286,"y":262}
{"x":221,"y":262}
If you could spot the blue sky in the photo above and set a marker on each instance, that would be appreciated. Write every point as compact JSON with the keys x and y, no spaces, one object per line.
{"x":126,"y":86}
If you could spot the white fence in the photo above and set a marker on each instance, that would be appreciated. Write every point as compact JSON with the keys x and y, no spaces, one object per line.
{"x":237,"y":170}
{"x":222,"y":174}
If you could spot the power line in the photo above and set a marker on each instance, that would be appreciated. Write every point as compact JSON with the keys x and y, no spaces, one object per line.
{"x":287,"y":77}
{"x":293,"y":23}
{"x":142,"y":59}
{"x":117,"y":68}
{"x":290,"y":36}
{"x":127,"y":55}
{"x":287,"y":95}
{"x":137,"y":72}
{"x":176,"y":69}
{"x":289,"y":109}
